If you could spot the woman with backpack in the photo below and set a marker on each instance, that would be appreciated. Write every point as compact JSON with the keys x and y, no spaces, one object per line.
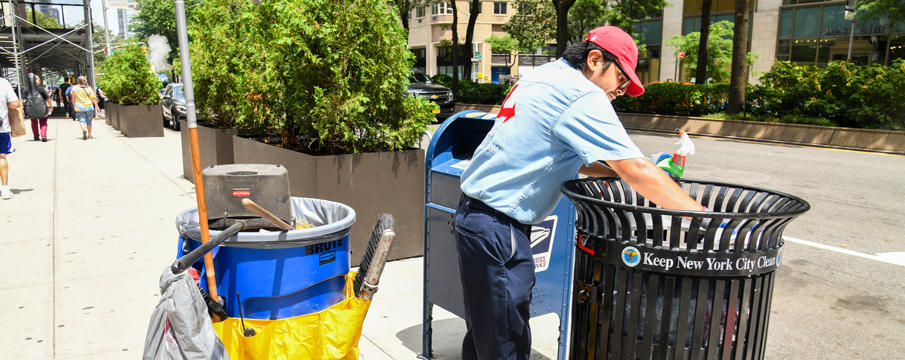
{"x":84,"y":102}
{"x":34,"y":108}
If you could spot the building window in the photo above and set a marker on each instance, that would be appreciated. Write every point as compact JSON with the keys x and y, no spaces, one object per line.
{"x":420,"y":60}
{"x":419,"y":12}
{"x":442,"y":8}
{"x":499,"y":8}
{"x":820,"y":34}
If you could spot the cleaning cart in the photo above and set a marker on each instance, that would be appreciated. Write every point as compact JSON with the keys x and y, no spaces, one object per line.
{"x":286,"y":290}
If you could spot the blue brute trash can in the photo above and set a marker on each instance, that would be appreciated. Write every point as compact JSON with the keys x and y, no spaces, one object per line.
{"x":280,"y":274}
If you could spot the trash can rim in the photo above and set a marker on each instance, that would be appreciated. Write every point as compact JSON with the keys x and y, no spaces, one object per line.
{"x":685,"y":213}
{"x":337,"y":229}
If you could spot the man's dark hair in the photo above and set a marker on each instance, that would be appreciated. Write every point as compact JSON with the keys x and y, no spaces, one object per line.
{"x":577,"y":55}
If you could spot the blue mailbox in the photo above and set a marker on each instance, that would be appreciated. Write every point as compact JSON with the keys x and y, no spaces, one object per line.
{"x":450,"y":150}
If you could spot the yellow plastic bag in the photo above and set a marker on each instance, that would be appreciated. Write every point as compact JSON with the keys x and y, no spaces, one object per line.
{"x":330,"y":334}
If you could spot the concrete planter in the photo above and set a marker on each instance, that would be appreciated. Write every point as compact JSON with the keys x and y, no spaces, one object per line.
{"x":140,"y":120}
{"x":216,"y":146}
{"x":371,"y":183}
{"x":112,"y":116}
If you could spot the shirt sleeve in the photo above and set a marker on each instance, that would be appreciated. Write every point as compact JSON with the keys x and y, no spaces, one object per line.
{"x":591,"y":129}
{"x":10,"y":93}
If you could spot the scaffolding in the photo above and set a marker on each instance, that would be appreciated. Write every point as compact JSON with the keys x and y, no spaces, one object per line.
{"x":46,"y":36}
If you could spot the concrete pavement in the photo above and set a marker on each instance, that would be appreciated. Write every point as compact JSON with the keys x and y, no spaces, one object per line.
{"x":91,"y":227}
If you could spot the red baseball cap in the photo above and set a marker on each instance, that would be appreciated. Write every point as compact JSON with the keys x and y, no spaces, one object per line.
{"x":621,"y":45}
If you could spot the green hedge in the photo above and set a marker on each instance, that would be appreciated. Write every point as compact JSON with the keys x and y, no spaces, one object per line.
{"x":128,"y":78}
{"x":473,"y":93}
{"x":848,"y":95}
{"x":322,"y":76}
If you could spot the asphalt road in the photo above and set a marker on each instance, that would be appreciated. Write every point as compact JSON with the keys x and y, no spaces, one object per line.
{"x":840,"y":293}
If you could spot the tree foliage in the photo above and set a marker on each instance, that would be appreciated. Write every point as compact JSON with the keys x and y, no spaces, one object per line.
{"x":894,"y":10}
{"x":719,"y":51}
{"x":158,"y":17}
{"x":533,"y":24}
{"x":129,"y":79}
{"x":505,"y":44}
{"x":324,"y":76}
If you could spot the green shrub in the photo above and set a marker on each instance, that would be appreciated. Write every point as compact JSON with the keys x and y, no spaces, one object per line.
{"x":128,"y":78}
{"x":443,"y":79}
{"x":676,"y":99}
{"x":326,"y":77}
{"x":474,"y":93}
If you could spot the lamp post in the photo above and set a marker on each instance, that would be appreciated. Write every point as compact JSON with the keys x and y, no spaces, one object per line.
{"x":850,"y":7}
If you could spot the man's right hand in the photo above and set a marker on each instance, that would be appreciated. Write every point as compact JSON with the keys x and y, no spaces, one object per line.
{"x":653,"y":183}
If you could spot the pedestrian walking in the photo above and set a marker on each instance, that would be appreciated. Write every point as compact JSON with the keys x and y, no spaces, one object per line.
{"x":41,"y":122}
{"x":63,"y":93}
{"x":8,"y":101}
{"x":71,"y":111}
{"x":84,"y":102}
{"x":556,"y":122}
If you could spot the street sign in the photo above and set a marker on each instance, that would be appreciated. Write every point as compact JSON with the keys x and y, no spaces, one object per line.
{"x":120,"y":5}
{"x":681,"y":55}
{"x":474,"y":60}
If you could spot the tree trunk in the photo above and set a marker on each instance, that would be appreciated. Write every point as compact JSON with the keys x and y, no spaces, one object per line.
{"x":401,"y":7}
{"x":701,"y":75}
{"x":455,"y":49}
{"x":469,"y":33}
{"x":562,"y":25}
{"x":738,"y":78}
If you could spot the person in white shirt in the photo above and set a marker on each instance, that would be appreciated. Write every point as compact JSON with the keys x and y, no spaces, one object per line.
{"x":8,"y":101}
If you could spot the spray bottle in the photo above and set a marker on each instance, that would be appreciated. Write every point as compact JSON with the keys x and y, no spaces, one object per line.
{"x":675,"y":165}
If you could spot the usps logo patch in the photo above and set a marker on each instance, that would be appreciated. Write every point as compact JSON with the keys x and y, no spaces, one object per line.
{"x":542,"y":236}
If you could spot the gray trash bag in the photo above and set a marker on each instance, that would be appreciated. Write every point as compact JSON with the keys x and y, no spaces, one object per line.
{"x":181,"y":327}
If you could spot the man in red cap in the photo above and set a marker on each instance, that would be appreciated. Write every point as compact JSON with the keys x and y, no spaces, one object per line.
{"x":557,"y":121}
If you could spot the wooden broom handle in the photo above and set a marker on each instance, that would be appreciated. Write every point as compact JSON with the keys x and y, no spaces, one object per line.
{"x":257,"y":209}
{"x":202,"y":218}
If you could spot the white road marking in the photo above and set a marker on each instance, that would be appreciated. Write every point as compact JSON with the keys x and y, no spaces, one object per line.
{"x":895,"y":258}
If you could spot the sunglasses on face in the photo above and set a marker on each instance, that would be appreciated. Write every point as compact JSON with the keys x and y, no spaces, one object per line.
{"x":628,"y":80}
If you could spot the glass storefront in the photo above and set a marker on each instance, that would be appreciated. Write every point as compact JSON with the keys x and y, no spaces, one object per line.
{"x":816,"y":35}
{"x":651,"y":32}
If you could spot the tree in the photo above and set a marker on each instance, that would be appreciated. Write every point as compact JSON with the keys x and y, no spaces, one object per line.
{"x":505,"y":44}
{"x":404,"y":9}
{"x":474,"y":10}
{"x":43,"y":20}
{"x":533,"y":24}
{"x":719,"y":51}
{"x":894,"y":10}
{"x":158,"y":17}
{"x":585,"y":16}
{"x":738,"y":79}
{"x":455,"y":46}
{"x":562,"y":24}
{"x":700,"y":75}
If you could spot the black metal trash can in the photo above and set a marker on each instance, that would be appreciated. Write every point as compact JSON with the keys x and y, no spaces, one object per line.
{"x":652,"y":285}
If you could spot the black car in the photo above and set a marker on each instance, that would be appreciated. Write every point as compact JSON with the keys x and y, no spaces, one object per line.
{"x":420,"y":85}
{"x":173,"y":105}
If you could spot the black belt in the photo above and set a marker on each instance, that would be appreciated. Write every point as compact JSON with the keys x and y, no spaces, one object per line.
{"x":476,"y":204}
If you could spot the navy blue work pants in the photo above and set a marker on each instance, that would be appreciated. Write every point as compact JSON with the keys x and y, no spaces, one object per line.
{"x":497,"y":271}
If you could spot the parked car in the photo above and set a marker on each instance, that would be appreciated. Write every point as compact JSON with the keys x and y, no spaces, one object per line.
{"x":173,"y":106}
{"x":420,"y":85}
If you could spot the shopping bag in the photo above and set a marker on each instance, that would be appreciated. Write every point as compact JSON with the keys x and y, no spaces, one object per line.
{"x":16,"y":123}
{"x":330,"y":334}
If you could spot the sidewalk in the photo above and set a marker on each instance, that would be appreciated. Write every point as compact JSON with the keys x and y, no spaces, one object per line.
{"x":90,"y":229}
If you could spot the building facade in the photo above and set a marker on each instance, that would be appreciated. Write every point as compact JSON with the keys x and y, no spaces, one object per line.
{"x":812,"y":32}
{"x":124,"y":18}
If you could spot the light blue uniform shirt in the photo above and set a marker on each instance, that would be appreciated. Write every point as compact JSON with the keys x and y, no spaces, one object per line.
{"x":553,"y":121}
